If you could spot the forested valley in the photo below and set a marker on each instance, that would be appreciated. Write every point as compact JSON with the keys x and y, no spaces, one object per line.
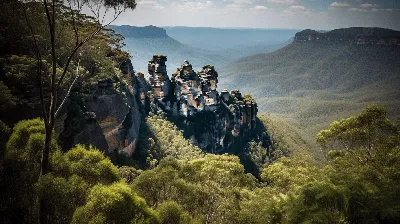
{"x":54,"y":56}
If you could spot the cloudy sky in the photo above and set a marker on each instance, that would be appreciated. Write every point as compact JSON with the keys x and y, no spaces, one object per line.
{"x":315,"y":14}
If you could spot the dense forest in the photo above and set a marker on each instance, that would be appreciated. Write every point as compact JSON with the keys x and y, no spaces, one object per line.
{"x":168,"y":179}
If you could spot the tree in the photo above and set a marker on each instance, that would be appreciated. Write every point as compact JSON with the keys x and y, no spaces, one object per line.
{"x":21,"y":166}
{"x":116,"y":203}
{"x":172,"y":213}
{"x":366,"y":131}
{"x":66,"y":12}
{"x":71,"y":13}
{"x":363,"y":167}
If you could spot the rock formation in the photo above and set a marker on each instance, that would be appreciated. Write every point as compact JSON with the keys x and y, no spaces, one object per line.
{"x":110,"y":116}
{"x":212,"y":121}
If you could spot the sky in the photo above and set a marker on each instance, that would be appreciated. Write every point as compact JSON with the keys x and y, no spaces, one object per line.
{"x":297,"y":14}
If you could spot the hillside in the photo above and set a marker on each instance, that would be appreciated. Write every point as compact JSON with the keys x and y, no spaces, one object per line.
{"x":311,"y":83}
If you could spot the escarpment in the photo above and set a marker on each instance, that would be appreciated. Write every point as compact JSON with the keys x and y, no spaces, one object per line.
{"x":354,"y":35}
{"x":109,"y":117}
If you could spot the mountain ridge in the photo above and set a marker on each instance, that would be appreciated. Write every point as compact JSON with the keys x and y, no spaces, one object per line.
{"x":311,"y":83}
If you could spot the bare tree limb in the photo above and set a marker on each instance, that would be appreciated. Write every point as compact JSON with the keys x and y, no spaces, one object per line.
{"x":69,"y":90}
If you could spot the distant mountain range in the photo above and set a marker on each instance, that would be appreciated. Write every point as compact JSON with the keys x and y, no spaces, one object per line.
{"x":229,"y":38}
{"x":143,"y":42}
{"x":310,"y":82}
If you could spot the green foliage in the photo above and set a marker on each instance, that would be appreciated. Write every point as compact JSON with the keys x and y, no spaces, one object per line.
{"x":7,"y":100}
{"x":26,"y":141}
{"x":290,"y":173}
{"x":98,"y":59}
{"x":90,"y":164}
{"x":21,"y":167}
{"x":172,"y":213}
{"x":363,"y":131}
{"x":159,"y":138}
{"x":319,"y":202}
{"x":5,"y":132}
{"x":258,"y":154}
{"x":116,"y":203}
{"x":207,"y":188}
{"x":62,"y":196}
{"x":354,"y":186}
{"x":128,"y":173}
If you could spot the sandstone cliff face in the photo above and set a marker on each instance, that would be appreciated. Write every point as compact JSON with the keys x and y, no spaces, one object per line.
{"x":109,"y":117}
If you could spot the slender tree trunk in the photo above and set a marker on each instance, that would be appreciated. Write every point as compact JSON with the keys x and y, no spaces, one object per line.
{"x":49,"y":126}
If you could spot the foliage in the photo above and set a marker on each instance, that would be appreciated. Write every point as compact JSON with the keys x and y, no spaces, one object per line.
{"x":207,"y":188}
{"x":7,"y":100}
{"x":364,"y":131}
{"x":21,"y":167}
{"x":68,"y":185}
{"x":97,"y":59}
{"x":351,"y":187}
{"x":172,"y":213}
{"x":62,"y":195}
{"x":290,"y":173}
{"x":116,"y":203}
{"x":90,"y":164}
{"x":159,"y":138}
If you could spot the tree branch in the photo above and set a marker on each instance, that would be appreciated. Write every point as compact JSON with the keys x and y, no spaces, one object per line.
{"x":69,"y":90}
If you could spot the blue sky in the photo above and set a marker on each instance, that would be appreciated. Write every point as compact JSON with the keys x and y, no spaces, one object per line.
{"x":314,"y":14}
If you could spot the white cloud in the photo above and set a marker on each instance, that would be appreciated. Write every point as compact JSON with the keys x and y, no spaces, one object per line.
{"x":285,"y":2}
{"x":260,"y":7}
{"x":149,"y":4}
{"x":357,"y":10}
{"x":239,"y":5}
{"x":368,"y":6}
{"x":247,"y":2}
{"x":340,"y":5}
{"x":195,"y":5}
{"x":298,"y":7}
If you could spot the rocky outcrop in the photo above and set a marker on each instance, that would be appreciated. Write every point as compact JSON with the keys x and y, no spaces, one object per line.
{"x":355,"y":35}
{"x":213,"y":121}
{"x":109,"y":117}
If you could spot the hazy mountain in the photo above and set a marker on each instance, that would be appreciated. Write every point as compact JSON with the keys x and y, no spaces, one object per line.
{"x":143,"y":42}
{"x":313,"y":81}
{"x":228,"y":38}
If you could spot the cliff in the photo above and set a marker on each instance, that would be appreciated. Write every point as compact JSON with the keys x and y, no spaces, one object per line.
{"x":141,"y":32}
{"x":214,"y":121}
{"x":355,"y":35}
{"x":109,"y":117}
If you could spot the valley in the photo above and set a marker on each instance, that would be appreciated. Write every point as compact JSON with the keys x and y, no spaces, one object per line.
{"x":199,"y":45}
{"x":305,"y":84}
{"x":171,"y":124}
